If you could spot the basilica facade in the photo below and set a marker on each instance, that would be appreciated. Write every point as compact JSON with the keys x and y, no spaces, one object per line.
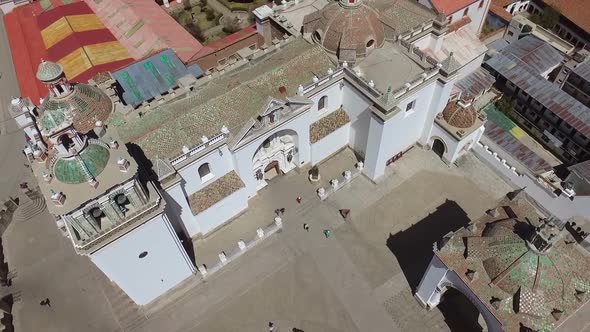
{"x":208,"y":147}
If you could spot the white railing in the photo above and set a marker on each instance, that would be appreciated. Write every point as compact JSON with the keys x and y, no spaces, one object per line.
{"x":338,"y":183}
{"x":198,"y":148}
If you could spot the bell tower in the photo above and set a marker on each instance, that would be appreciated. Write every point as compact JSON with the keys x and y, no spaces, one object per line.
{"x":53,"y":77}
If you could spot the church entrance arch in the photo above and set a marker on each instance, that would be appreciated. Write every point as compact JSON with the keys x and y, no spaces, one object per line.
{"x":276,"y":155}
{"x":438,"y":146}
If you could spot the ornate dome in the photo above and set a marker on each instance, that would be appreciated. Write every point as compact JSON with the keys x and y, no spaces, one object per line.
{"x":90,"y":162}
{"x":52,"y":120}
{"x":86,"y":104}
{"x":512,"y":265}
{"x":458,"y":116}
{"x":49,"y":71}
{"x":349,"y":31}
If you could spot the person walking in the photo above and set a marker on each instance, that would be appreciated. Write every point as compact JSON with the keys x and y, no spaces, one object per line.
{"x":306,"y":227}
{"x":46,"y":302}
{"x":298,"y":199}
{"x":271,"y":327}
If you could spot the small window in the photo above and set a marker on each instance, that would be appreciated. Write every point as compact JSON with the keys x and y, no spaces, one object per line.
{"x":370,"y":43}
{"x":221,"y":62}
{"x":450,"y":19}
{"x":323,"y":103}
{"x":143,"y":254}
{"x":410,"y":106}
{"x":252,"y":47}
{"x":466,"y":11}
{"x":510,"y":33}
{"x":205,"y":172}
{"x":481,"y":4}
{"x":317,"y":36}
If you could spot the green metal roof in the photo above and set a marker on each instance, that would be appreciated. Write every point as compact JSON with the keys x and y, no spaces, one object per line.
{"x":52,"y":119}
{"x":94,"y":157}
{"x":49,"y":71}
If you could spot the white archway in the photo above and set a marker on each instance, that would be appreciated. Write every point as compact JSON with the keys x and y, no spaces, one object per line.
{"x":277,"y":155}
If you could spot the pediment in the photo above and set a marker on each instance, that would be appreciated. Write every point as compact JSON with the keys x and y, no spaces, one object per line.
{"x":272,"y":104}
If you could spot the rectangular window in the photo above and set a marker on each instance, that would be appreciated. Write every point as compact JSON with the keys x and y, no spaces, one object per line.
{"x":481,"y":4}
{"x":410,"y":106}
{"x":450,"y":19}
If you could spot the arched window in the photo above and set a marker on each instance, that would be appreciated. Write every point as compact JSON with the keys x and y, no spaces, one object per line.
{"x":317,"y":36}
{"x":205,"y":172}
{"x":323,"y":103}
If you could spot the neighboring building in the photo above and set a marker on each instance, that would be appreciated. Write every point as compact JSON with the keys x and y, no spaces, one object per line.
{"x":459,"y":13}
{"x":578,"y":181}
{"x":520,"y":27}
{"x":522,"y":270}
{"x":551,"y":115}
{"x":6,"y":6}
{"x":575,"y":78}
{"x":504,"y":9}
{"x":574,"y":23}
{"x":214,"y":142}
{"x":69,"y":34}
{"x":144,"y":28}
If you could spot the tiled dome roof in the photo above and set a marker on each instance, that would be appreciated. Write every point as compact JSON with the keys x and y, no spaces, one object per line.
{"x":86,"y":103}
{"x":90,"y":163}
{"x":341,"y":29}
{"x":49,"y":71}
{"x":512,"y":265}
{"x":458,"y":116}
{"x":51,"y":120}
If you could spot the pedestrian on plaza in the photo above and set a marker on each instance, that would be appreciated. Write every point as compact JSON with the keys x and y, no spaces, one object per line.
{"x":271,"y":326}
{"x":45,"y":302}
{"x":282,"y":210}
{"x":299,"y":199}
{"x":327,"y":233}
{"x":306,"y":227}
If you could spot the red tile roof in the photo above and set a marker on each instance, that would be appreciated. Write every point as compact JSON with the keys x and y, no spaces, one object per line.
{"x":459,"y":24}
{"x":577,"y":11}
{"x":225,"y":42}
{"x":500,"y":12}
{"x":448,"y":7}
{"x":24,"y":25}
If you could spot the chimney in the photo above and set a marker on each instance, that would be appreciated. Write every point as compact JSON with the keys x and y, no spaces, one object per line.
{"x":99,"y":128}
{"x":123,"y":164}
{"x":263,"y":27}
{"x":58,"y":198}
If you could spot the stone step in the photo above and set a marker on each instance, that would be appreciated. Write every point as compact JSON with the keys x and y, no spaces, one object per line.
{"x":29,"y":209}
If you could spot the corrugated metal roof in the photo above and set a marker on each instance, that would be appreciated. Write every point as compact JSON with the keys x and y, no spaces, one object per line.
{"x":536,"y":53}
{"x":516,"y":149}
{"x":583,"y":70}
{"x":581,"y":169}
{"x":526,"y":76}
{"x":151,"y":77}
{"x":475,"y":83}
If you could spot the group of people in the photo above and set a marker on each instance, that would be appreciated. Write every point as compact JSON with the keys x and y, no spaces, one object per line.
{"x":271,"y":328}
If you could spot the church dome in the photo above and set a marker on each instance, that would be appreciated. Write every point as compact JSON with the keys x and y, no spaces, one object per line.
{"x":512,"y":265}
{"x":49,"y":71}
{"x":86,"y":104}
{"x":459,"y":116}
{"x":90,"y":162}
{"x":349,"y":31}
{"x":52,"y":120}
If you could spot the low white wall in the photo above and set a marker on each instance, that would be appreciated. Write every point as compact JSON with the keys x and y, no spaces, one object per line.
{"x":221,"y":212}
{"x":330,"y":144}
{"x":144,"y":279}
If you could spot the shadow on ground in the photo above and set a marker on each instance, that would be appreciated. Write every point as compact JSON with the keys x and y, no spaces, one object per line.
{"x":413,"y":249}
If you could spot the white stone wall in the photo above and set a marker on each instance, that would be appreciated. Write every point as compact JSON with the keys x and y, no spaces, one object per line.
{"x":401,"y":131}
{"x":334,"y":94}
{"x":330,"y":144}
{"x":220,"y":163}
{"x":144,"y":279}
{"x":356,"y":105}
{"x":221,"y":212}
{"x":454,"y":148}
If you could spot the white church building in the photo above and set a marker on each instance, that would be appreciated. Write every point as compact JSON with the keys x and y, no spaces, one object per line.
{"x":358,"y":76}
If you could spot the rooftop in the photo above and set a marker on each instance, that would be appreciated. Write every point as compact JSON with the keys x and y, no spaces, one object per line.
{"x":583,"y":70}
{"x":525,"y":73}
{"x":450,"y":6}
{"x":230,"y":99}
{"x":78,"y":194}
{"x":150,"y":77}
{"x":518,"y":279}
{"x":475,"y":83}
{"x":464,"y":46}
{"x":144,"y":28}
{"x":581,"y":169}
{"x":576,"y":11}
{"x":389,"y":66}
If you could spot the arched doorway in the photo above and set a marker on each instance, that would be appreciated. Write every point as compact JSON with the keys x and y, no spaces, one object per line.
{"x":439,"y":147}
{"x":277,"y":155}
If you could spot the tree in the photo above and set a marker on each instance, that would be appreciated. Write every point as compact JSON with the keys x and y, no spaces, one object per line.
{"x":548,"y":18}
{"x":195,"y":31}
{"x":209,"y":14}
{"x":231,"y":25}
{"x":506,"y":105}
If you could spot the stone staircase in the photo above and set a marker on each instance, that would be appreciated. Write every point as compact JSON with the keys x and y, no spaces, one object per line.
{"x":28,"y":208}
{"x":129,"y":315}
